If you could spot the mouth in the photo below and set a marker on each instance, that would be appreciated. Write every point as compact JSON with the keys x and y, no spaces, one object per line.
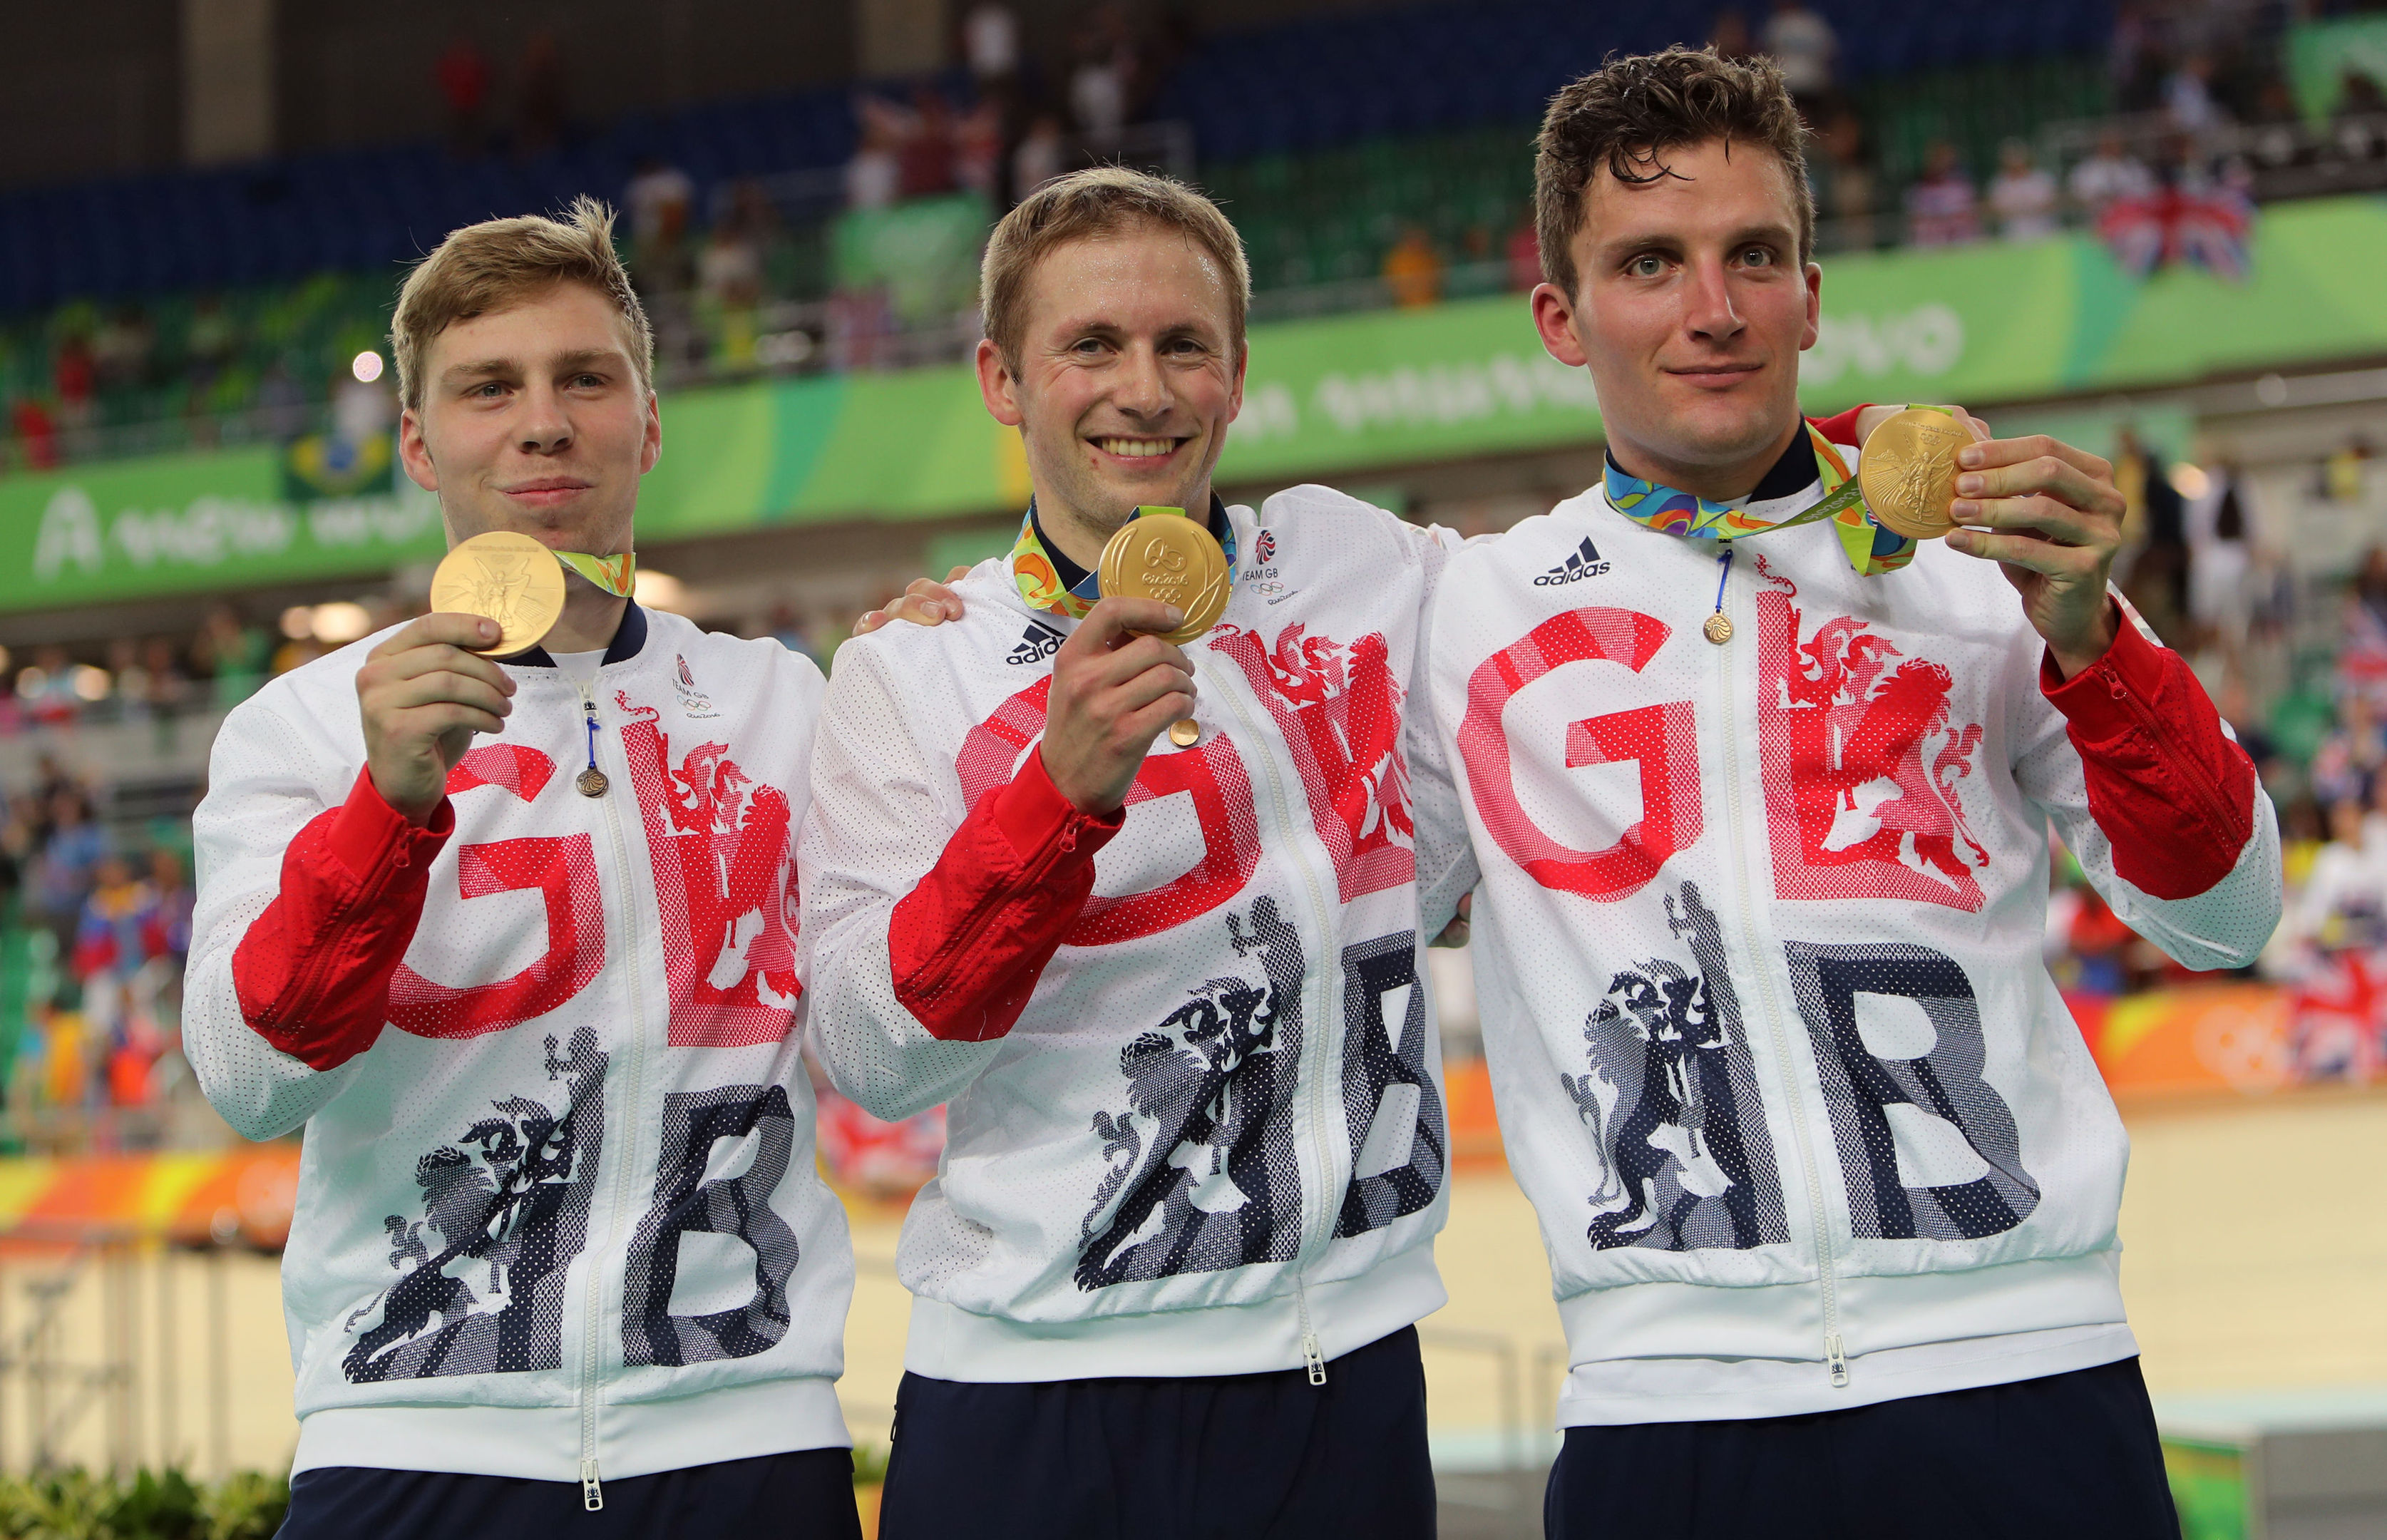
{"x":548,"y":491}
{"x":1137,"y":450}
{"x":1715,"y":376}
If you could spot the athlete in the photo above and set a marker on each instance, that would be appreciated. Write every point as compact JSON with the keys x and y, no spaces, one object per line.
{"x":1828,"y":1180}
{"x":512,"y":939}
{"x":1166,"y":978}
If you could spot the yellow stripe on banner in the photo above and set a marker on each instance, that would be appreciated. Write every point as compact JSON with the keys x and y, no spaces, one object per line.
{"x":168,"y":1184}
{"x":22,"y":1182}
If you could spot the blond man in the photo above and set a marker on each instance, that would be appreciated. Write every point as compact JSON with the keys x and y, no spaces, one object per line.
{"x":1166,"y":1281}
{"x":511,"y":938}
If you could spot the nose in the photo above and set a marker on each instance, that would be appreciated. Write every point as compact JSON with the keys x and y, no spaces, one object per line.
{"x":545,"y":428}
{"x":1708,"y":312}
{"x":1142,"y":388}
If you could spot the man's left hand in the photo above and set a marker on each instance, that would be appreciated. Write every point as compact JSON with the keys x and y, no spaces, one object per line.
{"x":2050,"y":515}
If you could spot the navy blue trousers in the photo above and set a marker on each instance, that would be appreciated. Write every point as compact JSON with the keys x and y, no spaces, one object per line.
{"x":1231,"y":1457}
{"x":804,"y":1495}
{"x":2067,"y":1454}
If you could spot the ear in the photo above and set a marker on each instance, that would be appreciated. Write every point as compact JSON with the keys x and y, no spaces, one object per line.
{"x":652,"y":449}
{"x":996,"y":385}
{"x":1236,"y":400}
{"x":415,"y":454}
{"x":1554,"y":319}
{"x":1814,"y":307}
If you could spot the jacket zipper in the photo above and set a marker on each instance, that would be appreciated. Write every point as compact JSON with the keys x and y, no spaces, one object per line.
{"x":1313,"y":1357}
{"x":1834,"y":1357}
{"x":592,"y":1490}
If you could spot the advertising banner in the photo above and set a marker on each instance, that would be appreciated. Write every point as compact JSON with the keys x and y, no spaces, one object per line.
{"x":1324,"y":398}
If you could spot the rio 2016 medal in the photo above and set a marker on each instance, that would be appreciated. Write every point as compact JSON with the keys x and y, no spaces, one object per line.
{"x":506,"y":577}
{"x":1171,"y":558}
{"x":1908,"y":471}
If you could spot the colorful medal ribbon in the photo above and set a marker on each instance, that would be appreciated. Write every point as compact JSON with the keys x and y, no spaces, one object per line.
{"x":1039,"y":579}
{"x":1872,"y":549}
{"x":616,"y":575}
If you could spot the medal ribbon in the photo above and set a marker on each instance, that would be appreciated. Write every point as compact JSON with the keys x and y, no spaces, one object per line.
{"x":1039,"y":580}
{"x":1872,"y":548}
{"x":616,"y":575}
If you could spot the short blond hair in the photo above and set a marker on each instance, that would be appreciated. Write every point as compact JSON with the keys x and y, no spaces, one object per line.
{"x":496,"y":264}
{"x":1089,"y":205}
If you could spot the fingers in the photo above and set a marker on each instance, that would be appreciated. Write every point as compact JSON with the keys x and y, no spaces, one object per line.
{"x":2029,"y":551}
{"x":438,"y":658}
{"x":1999,"y":453}
{"x":439,"y":718}
{"x":869,"y":620}
{"x":445,"y":627}
{"x":2045,"y":517}
{"x":930,"y":600}
{"x":443,"y":687}
{"x":1112,"y":619}
{"x":957,"y":574}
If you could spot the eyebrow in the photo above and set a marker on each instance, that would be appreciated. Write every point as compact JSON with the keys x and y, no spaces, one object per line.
{"x":564,"y":363}
{"x":1672,"y":240}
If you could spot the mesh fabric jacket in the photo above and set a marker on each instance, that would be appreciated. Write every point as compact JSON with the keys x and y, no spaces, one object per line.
{"x":557,"y":1215}
{"x":1757,"y":951}
{"x":1194,"y":1119}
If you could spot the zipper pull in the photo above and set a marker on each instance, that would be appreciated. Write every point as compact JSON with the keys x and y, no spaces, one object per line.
{"x":1313,"y":1358}
{"x":1837,"y":1360}
{"x":592,"y":1496}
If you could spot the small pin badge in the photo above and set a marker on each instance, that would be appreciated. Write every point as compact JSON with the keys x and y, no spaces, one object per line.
{"x":1716,"y":629}
{"x":591,"y":782}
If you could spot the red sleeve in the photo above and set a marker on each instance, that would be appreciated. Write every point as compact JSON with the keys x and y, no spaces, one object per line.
{"x":1841,"y":429}
{"x":969,"y":942}
{"x":2171,"y":791}
{"x":313,"y":973}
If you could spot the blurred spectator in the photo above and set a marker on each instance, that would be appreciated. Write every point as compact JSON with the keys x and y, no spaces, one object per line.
{"x":1103,"y":80}
{"x":46,"y":688}
{"x":2221,"y":564}
{"x":926,"y":154}
{"x":280,"y":403}
{"x":540,"y":108}
{"x":2151,"y":567}
{"x":2351,"y":757}
{"x":74,"y":376}
{"x":1041,"y":155}
{"x":70,"y":852}
{"x":874,"y":178}
{"x":2342,"y":472}
{"x":2188,"y":96}
{"x":1845,"y":195}
{"x":1524,"y":253}
{"x":209,"y":343}
{"x":234,"y":654}
{"x":1413,"y":269}
{"x":978,"y":150}
{"x":2022,"y":195}
{"x":1730,"y":35}
{"x":36,"y":430}
{"x":661,"y":200}
{"x":123,"y":350}
{"x":990,"y":43}
{"x":730,"y":271}
{"x":1942,"y":207}
{"x":2110,"y":175}
{"x":463,"y":75}
{"x":1804,"y":44}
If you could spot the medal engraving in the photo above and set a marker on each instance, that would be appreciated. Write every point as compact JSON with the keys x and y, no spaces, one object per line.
{"x":1716,"y":629}
{"x":1908,"y":471}
{"x":1171,"y":558}
{"x":590,"y":782}
{"x":505,"y":577}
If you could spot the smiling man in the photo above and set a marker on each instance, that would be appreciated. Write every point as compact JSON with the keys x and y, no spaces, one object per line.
{"x":1827,"y":1179}
{"x":1169,"y":987}
{"x":561,"y":1261}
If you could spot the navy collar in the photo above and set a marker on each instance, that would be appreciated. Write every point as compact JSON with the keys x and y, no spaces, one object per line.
{"x":628,"y":638}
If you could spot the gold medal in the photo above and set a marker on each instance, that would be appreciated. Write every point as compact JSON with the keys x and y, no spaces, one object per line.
{"x":1716,"y":628}
{"x":1908,"y":471}
{"x":1171,"y":558}
{"x":506,"y":577}
{"x":1184,"y":732}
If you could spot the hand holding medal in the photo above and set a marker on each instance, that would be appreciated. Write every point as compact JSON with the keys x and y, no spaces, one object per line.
{"x":1162,"y":554}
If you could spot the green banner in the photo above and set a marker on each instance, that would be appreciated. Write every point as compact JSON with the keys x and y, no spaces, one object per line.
{"x":1359,"y":393}
{"x":2321,"y":55}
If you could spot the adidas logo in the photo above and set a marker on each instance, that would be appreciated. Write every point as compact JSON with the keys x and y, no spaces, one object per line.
{"x":1036,"y":644}
{"x":1583,"y":563}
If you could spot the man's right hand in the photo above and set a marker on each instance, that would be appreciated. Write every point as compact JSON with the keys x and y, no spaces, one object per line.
{"x":1115,"y":685}
{"x":423,"y":696}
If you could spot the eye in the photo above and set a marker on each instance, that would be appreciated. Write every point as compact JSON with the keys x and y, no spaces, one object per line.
{"x":488,"y":390}
{"x":588,"y":382}
{"x":1648,"y":265}
{"x":1756,"y":257}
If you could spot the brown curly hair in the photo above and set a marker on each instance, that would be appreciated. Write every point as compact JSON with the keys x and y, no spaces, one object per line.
{"x":1628,"y":112}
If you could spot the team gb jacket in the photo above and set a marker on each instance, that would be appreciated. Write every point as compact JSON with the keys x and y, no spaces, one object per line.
{"x":1195,"y":1121}
{"x":558,"y":1214}
{"x":1805,"y":1120}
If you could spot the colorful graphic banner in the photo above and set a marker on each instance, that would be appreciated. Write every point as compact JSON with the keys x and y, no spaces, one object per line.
{"x":1324,"y":399}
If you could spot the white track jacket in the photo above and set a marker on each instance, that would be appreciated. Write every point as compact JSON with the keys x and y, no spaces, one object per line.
{"x":1805,"y":1120}
{"x":1195,"y":1121}
{"x":558,"y":1215}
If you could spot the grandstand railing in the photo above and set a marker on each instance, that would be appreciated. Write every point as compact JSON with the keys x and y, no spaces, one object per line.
{"x":2281,"y":160}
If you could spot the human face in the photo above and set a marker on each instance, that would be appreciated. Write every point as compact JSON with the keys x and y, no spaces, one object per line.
{"x":1126,"y":380}
{"x":1691,"y":309}
{"x":533,"y":419}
